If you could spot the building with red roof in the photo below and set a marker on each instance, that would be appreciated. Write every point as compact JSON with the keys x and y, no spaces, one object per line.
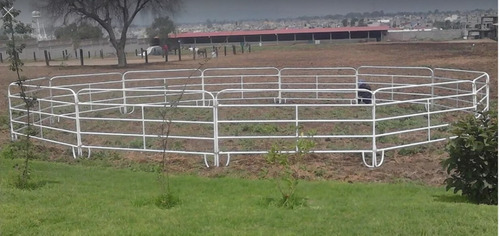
{"x":279,"y":35}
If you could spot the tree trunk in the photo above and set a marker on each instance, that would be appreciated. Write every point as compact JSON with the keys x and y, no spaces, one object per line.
{"x":122,"y":59}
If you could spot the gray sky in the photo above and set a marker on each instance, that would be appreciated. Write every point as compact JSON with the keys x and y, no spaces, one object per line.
{"x":201,"y":10}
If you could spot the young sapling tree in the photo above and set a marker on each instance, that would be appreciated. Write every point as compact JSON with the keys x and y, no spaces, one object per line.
{"x":14,"y":28}
{"x":287,"y":168}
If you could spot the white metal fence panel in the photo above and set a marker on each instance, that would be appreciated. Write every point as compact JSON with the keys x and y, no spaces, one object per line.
{"x":233,"y":111}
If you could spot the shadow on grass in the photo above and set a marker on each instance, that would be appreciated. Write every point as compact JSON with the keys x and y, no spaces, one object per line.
{"x":162,"y":201}
{"x":451,"y":199}
{"x":33,"y":185}
{"x":291,"y":203}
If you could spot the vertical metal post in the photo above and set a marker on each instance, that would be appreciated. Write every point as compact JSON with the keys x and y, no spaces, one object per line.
{"x":487,"y":92}
{"x":40,"y":118}
{"x":279,"y":86}
{"x":124,"y":94}
{"x":474,"y":97}
{"x":317,"y":87}
{"x":143,"y":129}
{"x":432,"y":82}
{"x":165,"y":87}
{"x":356,"y":85}
{"x":51,"y":102}
{"x":428,"y":120}
{"x":12,"y":136}
{"x":216,"y":131}
{"x":392,"y":87}
{"x":374,"y":132}
{"x":296,"y":128}
{"x":241,"y":86}
{"x":90,"y":97}
{"x":78,"y":127}
{"x":432,"y":87}
{"x":203,"y":86}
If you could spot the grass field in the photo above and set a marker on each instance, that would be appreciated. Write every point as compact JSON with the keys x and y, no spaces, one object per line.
{"x":90,"y":200}
{"x":93,"y":197}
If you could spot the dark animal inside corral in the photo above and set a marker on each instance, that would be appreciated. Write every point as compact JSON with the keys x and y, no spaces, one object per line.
{"x":363,"y":95}
{"x":202,"y":52}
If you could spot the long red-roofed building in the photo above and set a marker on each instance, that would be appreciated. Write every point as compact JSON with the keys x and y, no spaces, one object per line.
{"x":375,"y":33}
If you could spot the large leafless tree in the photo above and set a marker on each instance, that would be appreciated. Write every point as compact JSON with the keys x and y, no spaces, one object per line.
{"x":115,"y":16}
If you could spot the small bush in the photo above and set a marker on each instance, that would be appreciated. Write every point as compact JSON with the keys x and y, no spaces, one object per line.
{"x":17,"y":149}
{"x":9,"y":151}
{"x":473,"y":161}
{"x":16,"y":179}
{"x":166,"y":201}
{"x":288,"y":165}
{"x":4,"y":122}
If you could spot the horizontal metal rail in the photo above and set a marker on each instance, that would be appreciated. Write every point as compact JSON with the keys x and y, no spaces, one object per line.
{"x":222,"y":107}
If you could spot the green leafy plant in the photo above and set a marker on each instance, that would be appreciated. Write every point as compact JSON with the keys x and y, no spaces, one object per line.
{"x":472,"y":165}
{"x":16,"y":149}
{"x":14,"y":28}
{"x":4,"y":122}
{"x":166,"y":199}
{"x":287,"y":166}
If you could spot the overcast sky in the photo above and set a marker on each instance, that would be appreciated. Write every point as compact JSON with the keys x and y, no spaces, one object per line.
{"x":201,"y":10}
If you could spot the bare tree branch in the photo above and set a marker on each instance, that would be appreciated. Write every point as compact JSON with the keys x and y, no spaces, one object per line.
{"x":109,"y":14}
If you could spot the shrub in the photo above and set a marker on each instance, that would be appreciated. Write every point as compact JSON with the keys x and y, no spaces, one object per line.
{"x":287,"y":176}
{"x":166,"y":200}
{"x":4,"y":122}
{"x":473,"y":161}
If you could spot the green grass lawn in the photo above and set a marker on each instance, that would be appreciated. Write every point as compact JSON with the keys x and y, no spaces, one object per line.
{"x":85,"y":200}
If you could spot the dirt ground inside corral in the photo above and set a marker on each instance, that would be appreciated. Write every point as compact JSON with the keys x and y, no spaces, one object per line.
{"x":423,"y":166}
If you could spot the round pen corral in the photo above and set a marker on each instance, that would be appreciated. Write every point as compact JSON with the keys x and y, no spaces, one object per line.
{"x":219,"y":112}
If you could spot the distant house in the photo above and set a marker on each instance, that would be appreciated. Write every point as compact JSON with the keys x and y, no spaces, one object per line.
{"x":488,"y":29}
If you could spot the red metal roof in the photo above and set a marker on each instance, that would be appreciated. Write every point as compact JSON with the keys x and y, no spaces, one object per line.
{"x":277,"y":31}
